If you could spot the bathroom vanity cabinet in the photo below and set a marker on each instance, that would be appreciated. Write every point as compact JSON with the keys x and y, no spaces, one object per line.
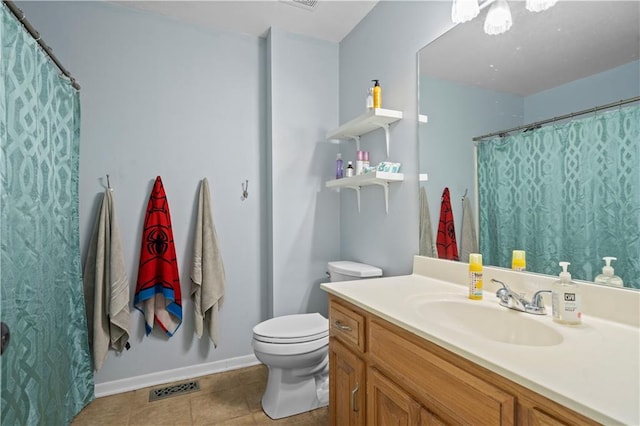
{"x":382,"y":374}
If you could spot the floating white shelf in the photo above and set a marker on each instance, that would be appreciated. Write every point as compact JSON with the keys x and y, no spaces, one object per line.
{"x":377,"y":118}
{"x":373,"y":178}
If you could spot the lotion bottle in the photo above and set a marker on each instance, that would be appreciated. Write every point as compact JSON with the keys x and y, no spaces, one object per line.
{"x":607,"y":276}
{"x":565,"y":297}
{"x":475,"y":276}
{"x":377,"y":94}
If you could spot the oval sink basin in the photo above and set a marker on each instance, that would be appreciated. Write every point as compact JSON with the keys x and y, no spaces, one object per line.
{"x":501,"y":325}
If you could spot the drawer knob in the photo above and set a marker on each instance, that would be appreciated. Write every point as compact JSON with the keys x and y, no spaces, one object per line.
{"x":342,"y":326}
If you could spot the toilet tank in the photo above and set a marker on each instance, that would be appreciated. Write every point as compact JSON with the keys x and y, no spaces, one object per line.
{"x":346,"y":271}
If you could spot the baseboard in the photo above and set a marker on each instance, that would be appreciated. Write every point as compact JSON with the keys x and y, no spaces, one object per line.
{"x":168,"y":376}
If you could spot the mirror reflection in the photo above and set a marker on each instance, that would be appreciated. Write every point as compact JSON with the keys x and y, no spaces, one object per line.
{"x":558,"y":189}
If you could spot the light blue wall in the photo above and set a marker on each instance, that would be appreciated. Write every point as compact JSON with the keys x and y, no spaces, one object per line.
{"x":164,"y":98}
{"x":383,"y":46}
{"x":610,"y":86}
{"x":303,"y":80}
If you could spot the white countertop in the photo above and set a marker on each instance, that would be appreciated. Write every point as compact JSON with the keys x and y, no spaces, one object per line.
{"x":595,"y":370}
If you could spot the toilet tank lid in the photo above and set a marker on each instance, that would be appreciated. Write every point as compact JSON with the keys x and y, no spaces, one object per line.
{"x":354,"y":269}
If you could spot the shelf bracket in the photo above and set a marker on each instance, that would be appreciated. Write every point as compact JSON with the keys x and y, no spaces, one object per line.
{"x":385,"y":185}
{"x":357,"y":189}
{"x":357,"y":139}
{"x":385,"y":127}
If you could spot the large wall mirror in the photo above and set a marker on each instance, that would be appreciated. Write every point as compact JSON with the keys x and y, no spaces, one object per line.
{"x":575,"y":56}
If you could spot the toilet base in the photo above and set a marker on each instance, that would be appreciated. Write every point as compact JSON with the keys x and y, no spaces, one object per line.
{"x":287,"y":395}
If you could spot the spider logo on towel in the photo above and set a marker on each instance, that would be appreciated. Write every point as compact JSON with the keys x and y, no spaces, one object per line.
{"x":157,"y":242}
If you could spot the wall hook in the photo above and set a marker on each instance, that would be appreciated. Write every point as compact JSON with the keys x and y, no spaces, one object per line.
{"x":465,"y":194}
{"x":108,"y":182}
{"x":245,"y":190}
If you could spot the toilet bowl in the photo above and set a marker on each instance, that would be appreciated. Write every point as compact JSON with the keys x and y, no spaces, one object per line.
{"x":295,"y":348}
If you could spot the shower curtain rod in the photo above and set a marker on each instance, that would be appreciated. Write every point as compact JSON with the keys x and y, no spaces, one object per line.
{"x":19,"y":14}
{"x":537,"y":124}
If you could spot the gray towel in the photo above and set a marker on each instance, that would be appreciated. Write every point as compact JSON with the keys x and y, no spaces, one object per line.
{"x":469,"y":241}
{"x":207,"y":271}
{"x":427,"y":243}
{"x":106,"y":286}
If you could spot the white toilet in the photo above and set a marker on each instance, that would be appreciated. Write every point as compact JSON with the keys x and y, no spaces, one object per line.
{"x":295,"y":348}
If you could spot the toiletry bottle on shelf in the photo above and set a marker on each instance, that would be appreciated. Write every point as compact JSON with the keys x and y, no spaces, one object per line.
{"x":365,"y":161}
{"x":565,"y":297}
{"x":370,"y":98}
{"x":339,"y":172}
{"x":377,"y":94}
{"x":359,"y":162}
{"x":475,"y":276}
{"x":350,"y":171}
{"x":519,"y":260}
{"x":607,"y":276}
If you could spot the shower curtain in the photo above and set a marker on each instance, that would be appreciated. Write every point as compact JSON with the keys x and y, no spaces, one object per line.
{"x":565,"y":192}
{"x":46,"y":375}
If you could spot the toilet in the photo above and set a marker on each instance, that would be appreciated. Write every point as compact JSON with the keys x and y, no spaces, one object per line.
{"x":295,"y":348}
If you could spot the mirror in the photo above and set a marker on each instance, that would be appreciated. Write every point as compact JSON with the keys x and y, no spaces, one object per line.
{"x":472,"y":84}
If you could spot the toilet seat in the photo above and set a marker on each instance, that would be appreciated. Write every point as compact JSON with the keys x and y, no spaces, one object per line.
{"x":292,"y":329}
{"x":290,"y":348}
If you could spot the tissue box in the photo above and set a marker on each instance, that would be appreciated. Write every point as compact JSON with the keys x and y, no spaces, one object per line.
{"x":389,"y":167}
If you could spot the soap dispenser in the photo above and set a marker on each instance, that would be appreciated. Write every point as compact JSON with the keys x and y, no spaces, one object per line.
{"x":565,"y":297}
{"x":607,"y":276}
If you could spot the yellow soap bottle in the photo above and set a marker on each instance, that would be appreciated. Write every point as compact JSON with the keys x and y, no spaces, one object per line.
{"x":519,"y":260}
{"x":377,"y":94}
{"x":475,"y":276}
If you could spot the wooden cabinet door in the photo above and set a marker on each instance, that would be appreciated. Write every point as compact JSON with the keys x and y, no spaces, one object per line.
{"x":427,"y":418}
{"x":387,"y":404}
{"x":346,"y":386}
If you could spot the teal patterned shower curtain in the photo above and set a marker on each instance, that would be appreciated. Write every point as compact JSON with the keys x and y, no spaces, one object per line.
{"x":565,"y":192}
{"x":46,"y":375}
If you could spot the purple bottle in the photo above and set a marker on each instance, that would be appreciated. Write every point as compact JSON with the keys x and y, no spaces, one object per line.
{"x":339,"y":171}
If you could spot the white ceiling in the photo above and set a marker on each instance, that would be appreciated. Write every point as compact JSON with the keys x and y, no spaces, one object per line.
{"x":573,"y":39}
{"x":329,"y":20}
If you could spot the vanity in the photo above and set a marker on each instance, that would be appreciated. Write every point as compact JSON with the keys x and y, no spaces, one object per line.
{"x":415,"y":350}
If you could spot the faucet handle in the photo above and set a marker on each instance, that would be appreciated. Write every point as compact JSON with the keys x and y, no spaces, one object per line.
{"x":502,"y":293}
{"x":536,"y":300}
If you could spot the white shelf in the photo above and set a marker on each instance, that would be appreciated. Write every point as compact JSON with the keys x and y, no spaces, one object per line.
{"x":371,"y":120}
{"x":373,"y":178}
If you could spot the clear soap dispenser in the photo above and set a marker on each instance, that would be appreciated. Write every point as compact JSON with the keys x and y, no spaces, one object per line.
{"x":607,"y":276}
{"x":565,"y":297}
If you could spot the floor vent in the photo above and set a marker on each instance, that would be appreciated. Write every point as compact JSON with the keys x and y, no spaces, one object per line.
{"x":174,"y":390}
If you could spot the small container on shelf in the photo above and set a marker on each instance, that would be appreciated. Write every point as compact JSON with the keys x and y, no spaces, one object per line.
{"x":350,"y":171}
{"x":339,"y":171}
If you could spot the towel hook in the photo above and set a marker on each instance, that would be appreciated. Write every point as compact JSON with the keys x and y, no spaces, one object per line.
{"x":245,"y":190}
{"x":465,"y":193}
{"x":108,"y":183}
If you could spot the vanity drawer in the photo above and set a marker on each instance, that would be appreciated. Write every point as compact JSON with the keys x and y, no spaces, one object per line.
{"x":347,"y":325}
{"x":450,"y":392}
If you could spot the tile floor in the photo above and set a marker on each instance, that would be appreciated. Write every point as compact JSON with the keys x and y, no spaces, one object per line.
{"x":229,"y":398}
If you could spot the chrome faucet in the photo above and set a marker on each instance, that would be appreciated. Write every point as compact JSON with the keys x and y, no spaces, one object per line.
{"x":514,"y":301}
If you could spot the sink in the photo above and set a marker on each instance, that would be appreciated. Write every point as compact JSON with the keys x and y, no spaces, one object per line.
{"x":501,"y":325}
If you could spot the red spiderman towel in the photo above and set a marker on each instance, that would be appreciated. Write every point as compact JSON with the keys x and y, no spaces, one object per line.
{"x":446,"y":241}
{"x":158,"y":288}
